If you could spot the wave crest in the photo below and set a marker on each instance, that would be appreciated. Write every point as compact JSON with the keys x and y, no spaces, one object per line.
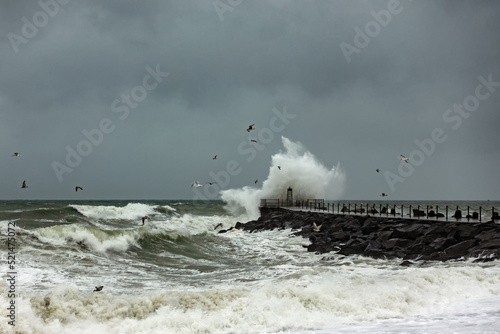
{"x":300,"y":170}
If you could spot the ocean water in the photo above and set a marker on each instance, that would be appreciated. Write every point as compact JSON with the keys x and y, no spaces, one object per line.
{"x":177,"y":274}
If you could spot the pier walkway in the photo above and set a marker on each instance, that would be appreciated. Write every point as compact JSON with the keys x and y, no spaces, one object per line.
{"x":407,"y":211}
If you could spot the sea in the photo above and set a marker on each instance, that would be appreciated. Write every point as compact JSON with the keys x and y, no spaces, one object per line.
{"x":178,"y":274}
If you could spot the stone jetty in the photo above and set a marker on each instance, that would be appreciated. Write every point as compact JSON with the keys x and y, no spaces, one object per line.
{"x":381,"y":237}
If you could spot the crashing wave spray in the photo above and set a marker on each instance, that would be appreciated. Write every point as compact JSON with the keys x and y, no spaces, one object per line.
{"x":300,"y":170}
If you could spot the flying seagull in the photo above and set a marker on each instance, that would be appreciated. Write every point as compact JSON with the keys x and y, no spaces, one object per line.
{"x":210,"y":183}
{"x":197,"y":184}
{"x":24,"y":185}
{"x":215,"y":157}
{"x":253,"y":140}
{"x":15,"y":154}
{"x":78,"y":187}
{"x":316,"y":228}
{"x":383,"y":194}
{"x":98,"y":288}
{"x":403,"y":158}
{"x":279,"y":167}
{"x":378,"y":170}
{"x":256,"y":181}
{"x":250,"y":128}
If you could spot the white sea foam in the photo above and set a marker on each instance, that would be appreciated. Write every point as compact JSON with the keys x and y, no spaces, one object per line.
{"x":132,"y":211}
{"x":300,"y":170}
{"x":314,"y":299}
{"x":93,"y":238}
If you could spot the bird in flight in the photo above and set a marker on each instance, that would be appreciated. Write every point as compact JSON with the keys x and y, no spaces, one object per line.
{"x":279,"y":167}
{"x":215,"y":157}
{"x":256,"y":181}
{"x":15,"y":154}
{"x":316,"y":228}
{"x":383,"y":194}
{"x":250,"y":128}
{"x":78,"y":187}
{"x":98,"y":288}
{"x":253,"y":140}
{"x":210,"y":183}
{"x":197,"y":184}
{"x":403,"y":158}
{"x":378,"y":170}
{"x":24,"y":185}
{"x":144,"y":218}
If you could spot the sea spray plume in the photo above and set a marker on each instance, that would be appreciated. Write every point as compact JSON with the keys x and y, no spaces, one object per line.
{"x":301,"y":171}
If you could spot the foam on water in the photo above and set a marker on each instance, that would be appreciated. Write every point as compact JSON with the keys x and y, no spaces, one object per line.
{"x":314,"y":298}
{"x":132,"y":211}
{"x":300,"y":170}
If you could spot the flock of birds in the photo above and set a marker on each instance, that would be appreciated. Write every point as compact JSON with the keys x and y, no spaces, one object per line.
{"x":194,"y":184}
{"x":197,"y":184}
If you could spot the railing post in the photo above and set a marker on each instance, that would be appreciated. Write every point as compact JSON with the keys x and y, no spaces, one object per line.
{"x":447,"y":212}
{"x":480,"y":214}
{"x":410,"y":210}
{"x":418,"y":211}
{"x":437,"y":211}
{"x":468,"y":213}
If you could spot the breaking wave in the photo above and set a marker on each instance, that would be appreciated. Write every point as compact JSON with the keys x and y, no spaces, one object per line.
{"x":300,"y":170}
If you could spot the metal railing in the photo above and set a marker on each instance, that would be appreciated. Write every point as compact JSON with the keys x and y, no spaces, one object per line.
{"x":391,"y":210}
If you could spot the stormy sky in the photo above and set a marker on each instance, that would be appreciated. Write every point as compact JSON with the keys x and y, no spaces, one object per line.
{"x":132,"y":99}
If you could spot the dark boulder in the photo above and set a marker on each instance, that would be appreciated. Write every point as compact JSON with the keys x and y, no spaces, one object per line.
{"x":460,"y":249}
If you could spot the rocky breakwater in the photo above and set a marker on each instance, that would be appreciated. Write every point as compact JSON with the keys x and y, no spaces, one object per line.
{"x":381,"y":237}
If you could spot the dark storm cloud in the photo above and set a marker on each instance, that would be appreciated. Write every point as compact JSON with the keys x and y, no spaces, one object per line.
{"x":228,"y":69}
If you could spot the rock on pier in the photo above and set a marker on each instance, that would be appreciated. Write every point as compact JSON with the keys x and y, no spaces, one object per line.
{"x":380,"y":237}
